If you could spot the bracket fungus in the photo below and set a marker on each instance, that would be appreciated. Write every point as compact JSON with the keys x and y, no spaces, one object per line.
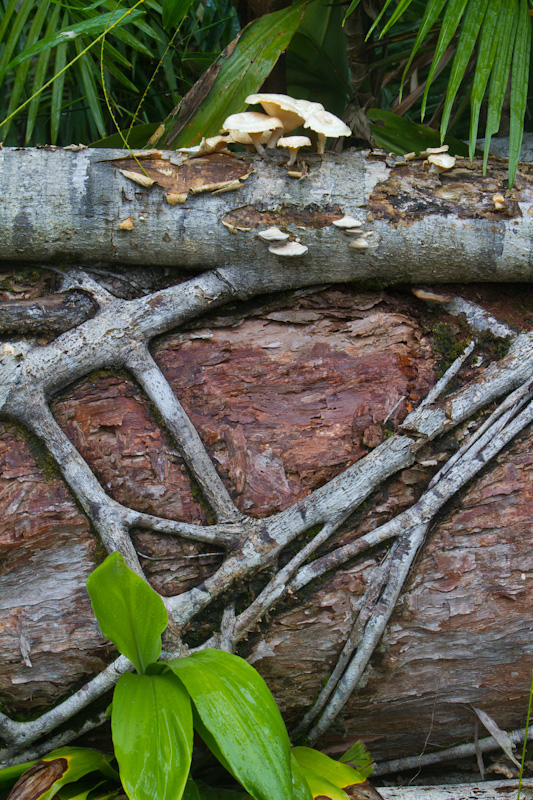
{"x":254,"y":124}
{"x":347,"y":222}
{"x":273,"y":235}
{"x":288,"y":250}
{"x":439,"y":162}
{"x":293,"y":144}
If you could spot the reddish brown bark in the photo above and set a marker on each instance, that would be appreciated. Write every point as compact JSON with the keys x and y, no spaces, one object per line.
{"x":284,"y":397}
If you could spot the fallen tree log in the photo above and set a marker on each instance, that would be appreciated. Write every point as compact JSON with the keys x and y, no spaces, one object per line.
{"x":316,"y":441}
{"x":63,"y":206}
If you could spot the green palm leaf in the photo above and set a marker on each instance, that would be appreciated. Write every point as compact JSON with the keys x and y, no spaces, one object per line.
{"x":472,"y":22}
{"x":40,"y":74}
{"x":452,"y":17}
{"x":519,"y":84}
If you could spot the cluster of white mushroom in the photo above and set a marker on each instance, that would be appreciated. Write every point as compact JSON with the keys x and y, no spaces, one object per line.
{"x":283,"y":115}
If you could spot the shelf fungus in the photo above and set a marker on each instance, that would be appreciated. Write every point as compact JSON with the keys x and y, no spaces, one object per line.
{"x":288,"y":250}
{"x":359,"y":244}
{"x":347,"y":223}
{"x":126,"y":224}
{"x":273,"y":235}
{"x":215,"y":172}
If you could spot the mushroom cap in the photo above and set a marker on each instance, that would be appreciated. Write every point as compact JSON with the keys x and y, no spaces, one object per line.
{"x":251,"y":122}
{"x":273,"y":235}
{"x":281,"y":106}
{"x":442,"y":161}
{"x":347,"y":222}
{"x":238,"y":137}
{"x":294,"y":142}
{"x":308,"y":107}
{"x":288,"y":250}
{"x":326,"y":123}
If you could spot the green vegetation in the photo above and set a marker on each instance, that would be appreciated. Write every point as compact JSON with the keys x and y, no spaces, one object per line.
{"x":156,"y":709}
{"x":77,"y":72}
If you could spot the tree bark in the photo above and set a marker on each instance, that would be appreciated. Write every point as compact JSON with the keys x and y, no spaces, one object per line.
{"x":420,"y":226}
{"x":355,"y":511}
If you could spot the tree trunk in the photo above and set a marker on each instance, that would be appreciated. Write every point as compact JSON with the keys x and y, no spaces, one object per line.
{"x":284,"y":468}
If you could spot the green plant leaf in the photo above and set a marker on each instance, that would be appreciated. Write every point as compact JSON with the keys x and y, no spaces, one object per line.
{"x":452,"y":17}
{"x":317,"y":59}
{"x":300,"y":786}
{"x":431,"y":14}
{"x":138,"y":137}
{"x":238,"y":72}
{"x":128,"y":610}
{"x":488,"y":44}
{"x":57,"y":87}
{"x":361,"y":759}
{"x":175,"y":11}
{"x":10,"y":775}
{"x":325,"y":776}
{"x":398,"y":135}
{"x":89,"y":27}
{"x":239,"y":721}
{"x":206,"y":792}
{"x":40,"y":74}
{"x":519,"y":85}
{"x":472,"y":22}
{"x":62,"y":767}
{"x":152,"y":735}
{"x":499,"y":76}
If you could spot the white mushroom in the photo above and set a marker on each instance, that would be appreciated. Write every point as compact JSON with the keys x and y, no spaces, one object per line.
{"x":236,"y":137}
{"x":281,"y":106}
{"x":347,"y":222}
{"x":440,"y":161}
{"x":254,"y":124}
{"x":293,"y":144}
{"x":359,"y":244}
{"x":288,"y":250}
{"x":273,"y":235}
{"x":499,"y":202}
{"x":326,"y":125}
{"x":429,"y":151}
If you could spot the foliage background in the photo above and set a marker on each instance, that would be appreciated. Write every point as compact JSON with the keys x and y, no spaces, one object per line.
{"x":451,"y":62}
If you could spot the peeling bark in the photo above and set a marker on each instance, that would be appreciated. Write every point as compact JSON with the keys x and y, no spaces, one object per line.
{"x":287,"y":472}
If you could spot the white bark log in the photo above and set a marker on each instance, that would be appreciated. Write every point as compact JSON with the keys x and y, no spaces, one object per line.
{"x":61,"y":205}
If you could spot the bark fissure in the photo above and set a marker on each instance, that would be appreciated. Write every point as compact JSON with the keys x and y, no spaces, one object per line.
{"x":118,"y":335}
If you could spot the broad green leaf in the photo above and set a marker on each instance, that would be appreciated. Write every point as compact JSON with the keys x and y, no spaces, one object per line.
{"x":499,"y":76}
{"x":138,"y":137}
{"x":128,"y":610}
{"x":452,"y":17}
{"x":79,"y":790}
{"x":398,"y":135}
{"x":239,"y":721}
{"x":10,"y":775}
{"x":238,"y":74}
{"x":519,"y":85}
{"x":473,"y":19}
{"x":191,"y":791}
{"x":361,"y":759}
{"x":152,"y":735}
{"x":488,"y":44}
{"x":174,"y":11}
{"x":317,"y":59}
{"x":90,"y":27}
{"x":300,"y":786}
{"x":211,"y":793}
{"x":64,"y":766}
{"x":336,"y":772}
